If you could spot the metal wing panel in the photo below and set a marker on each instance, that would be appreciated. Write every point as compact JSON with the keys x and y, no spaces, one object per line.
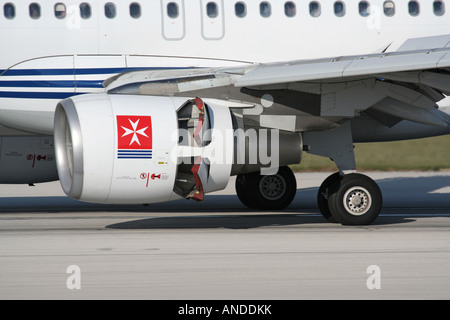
{"x":425,"y":43}
{"x":444,"y":62}
{"x":293,"y":72}
{"x":394,"y":63}
{"x":315,"y":70}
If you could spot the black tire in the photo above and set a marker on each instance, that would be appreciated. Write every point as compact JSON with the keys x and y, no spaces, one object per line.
{"x":328,"y":186}
{"x":267,"y":192}
{"x":357,"y":201}
{"x":241,"y":190}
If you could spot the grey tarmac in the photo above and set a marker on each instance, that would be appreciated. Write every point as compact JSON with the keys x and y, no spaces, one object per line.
{"x":219,"y":249}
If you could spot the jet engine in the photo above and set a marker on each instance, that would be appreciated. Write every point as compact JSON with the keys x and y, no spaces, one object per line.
{"x":147,"y":149}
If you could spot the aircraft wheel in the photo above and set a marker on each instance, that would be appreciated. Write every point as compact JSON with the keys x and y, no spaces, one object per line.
{"x":267,"y":192}
{"x":357,"y":200}
{"x":240,"y":189}
{"x":326,"y":189}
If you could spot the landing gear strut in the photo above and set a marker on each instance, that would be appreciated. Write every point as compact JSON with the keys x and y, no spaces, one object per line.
{"x":345,"y":197}
{"x":267,"y":192}
{"x":352,"y":199}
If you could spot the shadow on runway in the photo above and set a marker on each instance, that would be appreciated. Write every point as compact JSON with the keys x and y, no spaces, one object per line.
{"x":225,"y":203}
{"x":242,"y":222}
{"x":220,"y":221}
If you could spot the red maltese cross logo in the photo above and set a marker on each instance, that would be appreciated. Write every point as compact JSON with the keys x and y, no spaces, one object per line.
{"x":134,"y":133}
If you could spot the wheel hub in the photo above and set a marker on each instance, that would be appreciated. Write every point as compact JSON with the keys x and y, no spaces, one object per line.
{"x":357,"y":201}
{"x":272,"y":187}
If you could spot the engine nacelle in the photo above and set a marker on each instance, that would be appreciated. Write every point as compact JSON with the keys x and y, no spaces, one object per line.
{"x":27,"y":159}
{"x":147,"y":149}
{"x":126,"y":149}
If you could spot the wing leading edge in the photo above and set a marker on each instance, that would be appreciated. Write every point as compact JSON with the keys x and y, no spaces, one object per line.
{"x":345,"y":67}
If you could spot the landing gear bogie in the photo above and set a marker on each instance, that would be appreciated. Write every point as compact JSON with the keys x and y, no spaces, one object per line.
{"x":352,"y":199}
{"x":357,"y":201}
{"x":267,"y":192}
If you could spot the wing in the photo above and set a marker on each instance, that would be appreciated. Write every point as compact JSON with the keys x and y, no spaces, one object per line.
{"x":341,"y":68}
{"x":320,"y":94}
{"x":403,"y":84}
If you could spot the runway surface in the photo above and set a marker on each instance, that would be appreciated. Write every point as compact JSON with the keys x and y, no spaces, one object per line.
{"x":219,"y":249}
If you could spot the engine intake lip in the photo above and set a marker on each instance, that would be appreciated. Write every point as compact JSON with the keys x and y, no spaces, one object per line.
{"x":69,"y":148}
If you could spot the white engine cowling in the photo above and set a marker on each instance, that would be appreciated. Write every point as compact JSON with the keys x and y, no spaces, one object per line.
{"x":126,"y":148}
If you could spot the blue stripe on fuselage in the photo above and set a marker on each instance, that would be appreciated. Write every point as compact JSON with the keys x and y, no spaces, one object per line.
{"x":52,"y":84}
{"x":66,"y":72}
{"x":37,"y":95}
{"x":94,"y":84}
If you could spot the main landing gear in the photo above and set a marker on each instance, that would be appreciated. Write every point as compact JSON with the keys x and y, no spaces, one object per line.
{"x":344,"y":197}
{"x":267,"y":192}
{"x":352,"y":199}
